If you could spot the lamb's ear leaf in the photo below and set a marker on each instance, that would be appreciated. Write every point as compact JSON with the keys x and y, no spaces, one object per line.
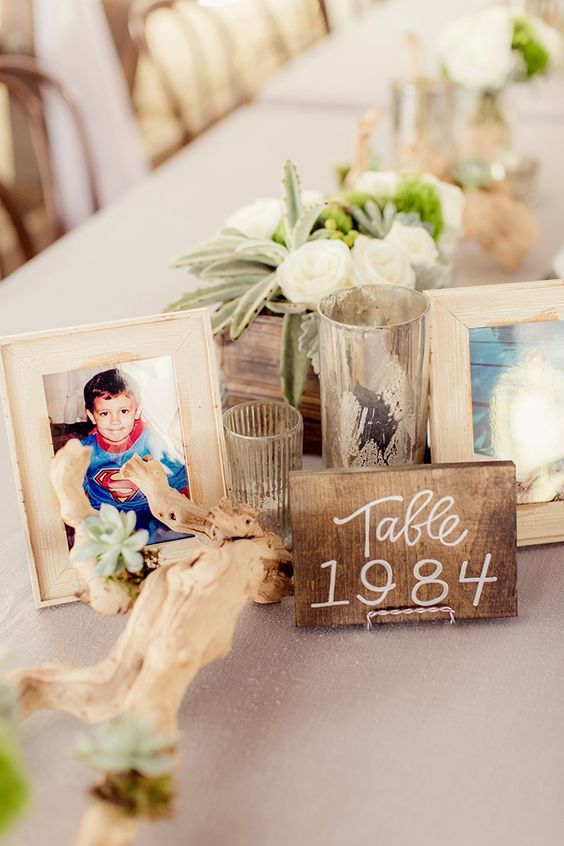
{"x":302,"y":230}
{"x":251,"y":304}
{"x":292,"y":195}
{"x":211,"y":294}
{"x":293,"y":362}
{"x":221,"y":318}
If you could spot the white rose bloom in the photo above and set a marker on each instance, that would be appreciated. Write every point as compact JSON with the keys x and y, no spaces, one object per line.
{"x":315,"y":269}
{"x":379,"y":183}
{"x":452,"y":202}
{"x":415,"y":241}
{"x":476,"y":50}
{"x":550,"y":39}
{"x":257,"y":220}
{"x":376,"y":261}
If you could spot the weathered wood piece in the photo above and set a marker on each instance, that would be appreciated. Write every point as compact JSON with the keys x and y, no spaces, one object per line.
{"x":418,"y":538}
{"x":183,"y":619}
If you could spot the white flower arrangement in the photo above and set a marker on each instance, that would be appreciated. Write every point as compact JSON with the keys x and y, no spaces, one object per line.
{"x":284,"y":256}
{"x":486,"y":50}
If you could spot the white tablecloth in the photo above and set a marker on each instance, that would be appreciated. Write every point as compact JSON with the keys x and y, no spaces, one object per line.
{"x":410,"y":734}
{"x":353,"y":68}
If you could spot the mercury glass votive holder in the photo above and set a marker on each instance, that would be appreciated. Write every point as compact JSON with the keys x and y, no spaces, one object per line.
{"x":264,"y":442}
{"x":422,"y":115}
{"x":374,"y":358}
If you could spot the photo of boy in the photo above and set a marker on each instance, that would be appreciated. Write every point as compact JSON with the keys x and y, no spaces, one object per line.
{"x":113,"y":406}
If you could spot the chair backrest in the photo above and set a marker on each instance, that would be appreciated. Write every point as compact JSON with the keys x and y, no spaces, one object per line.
{"x":194,"y":54}
{"x":24,"y":79}
{"x":17,"y":240}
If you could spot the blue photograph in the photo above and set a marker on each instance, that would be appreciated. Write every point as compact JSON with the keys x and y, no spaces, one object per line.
{"x":517,"y":377}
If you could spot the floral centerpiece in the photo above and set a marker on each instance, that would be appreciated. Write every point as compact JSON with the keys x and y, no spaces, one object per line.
{"x":498,"y":45}
{"x":482,"y":54}
{"x":283,"y":256}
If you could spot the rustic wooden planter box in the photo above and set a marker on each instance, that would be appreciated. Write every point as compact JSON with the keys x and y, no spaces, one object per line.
{"x":250,"y":368}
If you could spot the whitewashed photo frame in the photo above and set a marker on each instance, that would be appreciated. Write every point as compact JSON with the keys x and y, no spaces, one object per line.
{"x":25,"y":360}
{"x":534,"y":397}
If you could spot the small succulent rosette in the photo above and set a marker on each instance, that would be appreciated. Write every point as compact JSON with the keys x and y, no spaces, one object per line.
{"x":283,"y":256}
{"x":136,"y":763}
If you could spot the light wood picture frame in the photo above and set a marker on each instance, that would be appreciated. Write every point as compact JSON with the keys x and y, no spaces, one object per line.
{"x":25,"y":360}
{"x":536,"y":308}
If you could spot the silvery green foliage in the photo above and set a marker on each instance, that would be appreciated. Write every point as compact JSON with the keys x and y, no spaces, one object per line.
{"x":111,"y":540}
{"x":472,"y":172}
{"x":244,"y":269}
{"x":372,"y":220}
{"x":427,"y":278}
{"x":129,"y":743}
{"x":309,"y":338}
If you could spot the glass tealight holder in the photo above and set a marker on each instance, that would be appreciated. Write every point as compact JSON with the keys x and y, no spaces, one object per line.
{"x":422,"y":124}
{"x":374,"y":356}
{"x":264,"y":443}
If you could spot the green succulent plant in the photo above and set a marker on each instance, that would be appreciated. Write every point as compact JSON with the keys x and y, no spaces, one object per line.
{"x":111,"y":540}
{"x":128,"y":743}
{"x":136,"y":761}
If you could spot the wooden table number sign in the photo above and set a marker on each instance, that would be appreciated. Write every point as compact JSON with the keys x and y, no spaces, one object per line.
{"x":407,"y":543}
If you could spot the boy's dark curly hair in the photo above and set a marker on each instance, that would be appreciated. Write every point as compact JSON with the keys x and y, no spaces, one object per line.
{"x":109,"y":384}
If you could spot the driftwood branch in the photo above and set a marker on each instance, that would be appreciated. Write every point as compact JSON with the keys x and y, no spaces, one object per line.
{"x":183,"y":619}
{"x":504,"y":228}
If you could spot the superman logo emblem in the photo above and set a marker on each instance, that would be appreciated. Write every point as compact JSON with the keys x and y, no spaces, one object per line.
{"x":122,"y":490}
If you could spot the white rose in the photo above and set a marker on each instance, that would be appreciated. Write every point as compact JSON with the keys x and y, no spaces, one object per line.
{"x":550,"y":39}
{"x":376,"y":261}
{"x":415,"y":241}
{"x":476,"y":50}
{"x":257,"y":220}
{"x":452,"y":202}
{"x":315,"y":269}
{"x":379,"y":183}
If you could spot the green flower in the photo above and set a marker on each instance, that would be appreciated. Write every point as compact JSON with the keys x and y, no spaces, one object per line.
{"x":535,"y":56}
{"x":112,"y":541}
{"x":414,"y":195}
{"x":129,"y":744}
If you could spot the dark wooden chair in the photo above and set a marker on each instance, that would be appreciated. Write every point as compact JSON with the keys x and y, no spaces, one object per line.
{"x":16,"y":245}
{"x":25,"y":80}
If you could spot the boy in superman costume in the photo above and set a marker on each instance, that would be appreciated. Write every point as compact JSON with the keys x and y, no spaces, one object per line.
{"x":113,"y":406}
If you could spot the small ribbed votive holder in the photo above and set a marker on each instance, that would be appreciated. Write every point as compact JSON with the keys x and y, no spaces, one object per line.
{"x":264,"y":442}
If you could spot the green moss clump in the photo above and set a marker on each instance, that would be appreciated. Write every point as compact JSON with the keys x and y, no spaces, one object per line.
{"x":137,"y":794}
{"x":336,"y":218}
{"x":415,"y":195}
{"x":524,"y":41}
{"x":13,"y":784}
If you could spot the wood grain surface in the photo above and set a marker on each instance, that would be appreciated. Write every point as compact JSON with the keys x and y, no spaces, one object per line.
{"x":355,"y":532}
